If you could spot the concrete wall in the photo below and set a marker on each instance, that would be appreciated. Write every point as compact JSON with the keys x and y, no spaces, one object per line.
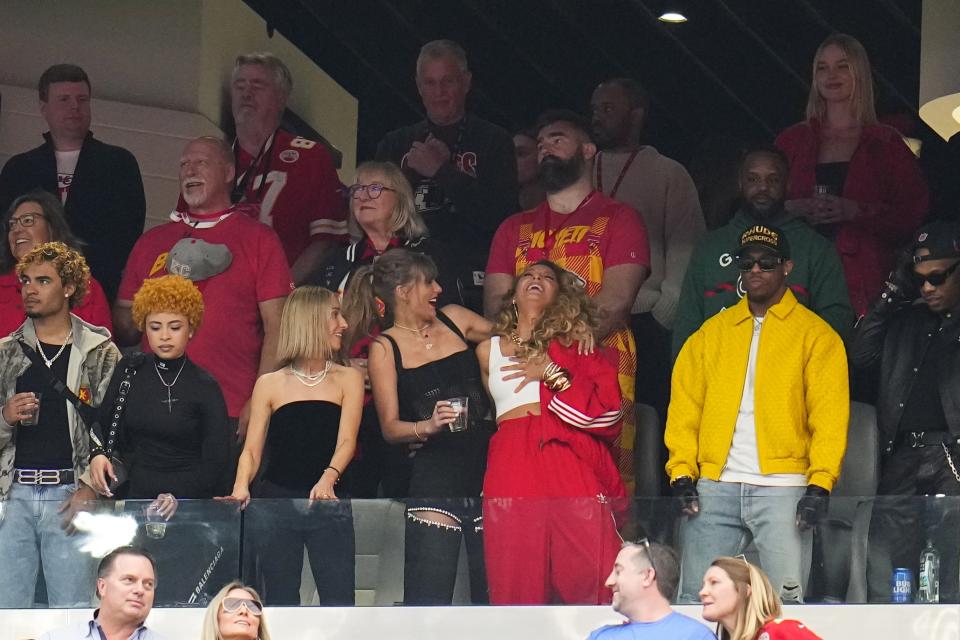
{"x":173,"y":55}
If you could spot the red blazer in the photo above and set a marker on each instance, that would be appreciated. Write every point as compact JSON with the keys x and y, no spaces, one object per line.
{"x":884,"y":178}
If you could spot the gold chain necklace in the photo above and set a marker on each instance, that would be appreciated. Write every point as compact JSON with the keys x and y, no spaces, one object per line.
{"x":421,"y":333}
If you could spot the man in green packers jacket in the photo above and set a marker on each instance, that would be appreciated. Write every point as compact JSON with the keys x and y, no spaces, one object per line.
{"x":712,"y":282}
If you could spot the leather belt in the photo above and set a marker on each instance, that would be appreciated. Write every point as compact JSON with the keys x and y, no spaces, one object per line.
{"x":43,"y":476}
{"x":920,"y":439}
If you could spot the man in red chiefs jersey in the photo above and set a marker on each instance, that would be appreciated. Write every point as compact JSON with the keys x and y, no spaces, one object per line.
{"x":292,"y":179}
{"x":601,"y":240}
{"x":235,"y":261}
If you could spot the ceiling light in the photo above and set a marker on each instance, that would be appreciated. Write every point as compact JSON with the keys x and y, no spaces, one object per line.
{"x":673,"y":17}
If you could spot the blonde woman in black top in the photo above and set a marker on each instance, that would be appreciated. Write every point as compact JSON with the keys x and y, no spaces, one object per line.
{"x":304,"y":419}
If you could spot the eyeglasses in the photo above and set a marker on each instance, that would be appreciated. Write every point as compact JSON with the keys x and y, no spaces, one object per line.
{"x":766,"y":263}
{"x":646,"y":546}
{"x":232,"y":605}
{"x":26,"y":220}
{"x":937,"y":278}
{"x":373,"y":191}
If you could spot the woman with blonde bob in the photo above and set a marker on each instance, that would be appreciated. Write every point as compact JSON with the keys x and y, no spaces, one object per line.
{"x":304,"y":417}
{"x":235,"y":613}
{"x":852,"y":178}
{"x":738,"y":596}
{"x":549,"y":530}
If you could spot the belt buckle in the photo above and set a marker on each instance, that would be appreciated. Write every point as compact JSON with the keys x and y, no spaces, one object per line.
{"x":916,"y":439}
{"x":48,"y":476}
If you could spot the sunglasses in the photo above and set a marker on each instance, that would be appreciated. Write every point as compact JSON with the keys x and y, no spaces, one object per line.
{"x":232,"y":605}
{"x":646,"y":546}
{"x":373,"y":191}
{"x":766,"y":263}
{"x":936,"y":278}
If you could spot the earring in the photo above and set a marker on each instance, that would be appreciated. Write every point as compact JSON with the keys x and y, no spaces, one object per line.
{"x":516,"y":311}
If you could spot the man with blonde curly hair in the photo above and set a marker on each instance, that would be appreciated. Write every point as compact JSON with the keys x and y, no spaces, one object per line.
{"x":44,"y":442}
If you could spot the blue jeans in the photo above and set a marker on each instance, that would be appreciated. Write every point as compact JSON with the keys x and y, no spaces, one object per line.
{"x":31,"y":536}
{"x":731,"y":515}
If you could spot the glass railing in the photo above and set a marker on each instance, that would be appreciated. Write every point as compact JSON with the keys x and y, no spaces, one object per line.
{"x":502,"y":551}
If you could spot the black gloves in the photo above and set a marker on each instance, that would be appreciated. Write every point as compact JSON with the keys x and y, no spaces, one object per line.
{"x":812,"y":506}
{"x":685,"y":491}
{"x":900,"y":287}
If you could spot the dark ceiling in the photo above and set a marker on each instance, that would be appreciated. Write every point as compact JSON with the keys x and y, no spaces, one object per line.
{"x":738,"y":67}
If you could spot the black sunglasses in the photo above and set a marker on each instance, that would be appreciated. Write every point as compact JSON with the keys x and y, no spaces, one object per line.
{"x":766,"y":263}
{"x":936,"y":278}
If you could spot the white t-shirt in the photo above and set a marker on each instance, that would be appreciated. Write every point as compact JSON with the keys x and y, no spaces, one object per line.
{"x":743,"y":460}
{"x":66,"y":167}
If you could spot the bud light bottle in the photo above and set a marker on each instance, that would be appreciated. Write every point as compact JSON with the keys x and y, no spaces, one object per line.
{"x":929,"y":588}
{"x":901,"y":585}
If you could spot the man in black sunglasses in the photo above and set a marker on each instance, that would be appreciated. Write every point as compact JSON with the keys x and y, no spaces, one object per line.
{"x":757,"y":425}
{"x":912,"y":336}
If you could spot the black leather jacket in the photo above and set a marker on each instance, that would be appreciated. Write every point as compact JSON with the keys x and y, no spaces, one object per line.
{"x":895,"y":336}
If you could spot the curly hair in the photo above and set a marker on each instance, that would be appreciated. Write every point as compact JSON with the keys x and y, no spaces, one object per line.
{"x":571,"y":309}
{"x":69,"y":263}
{"x":168,"y":294}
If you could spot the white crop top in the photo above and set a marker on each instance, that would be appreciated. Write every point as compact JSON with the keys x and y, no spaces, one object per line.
{"x":504,"y":397}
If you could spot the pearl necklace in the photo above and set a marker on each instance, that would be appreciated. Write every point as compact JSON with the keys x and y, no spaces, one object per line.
{"x":49,"y":362}
{"x":421,"y":333}
{"x":310,"y":380}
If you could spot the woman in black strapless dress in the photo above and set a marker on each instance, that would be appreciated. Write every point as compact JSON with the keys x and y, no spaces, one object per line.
{"x":416,"y":365}
{"x":303,"y":423}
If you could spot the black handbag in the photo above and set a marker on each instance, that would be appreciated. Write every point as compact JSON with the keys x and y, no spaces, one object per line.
{"x":90,"y":415}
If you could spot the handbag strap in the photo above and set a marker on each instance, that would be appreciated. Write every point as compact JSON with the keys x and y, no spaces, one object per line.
{"x":133,"y":363}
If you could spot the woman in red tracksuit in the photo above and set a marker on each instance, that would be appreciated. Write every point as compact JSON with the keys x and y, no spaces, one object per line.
{"x":549,"y":529}
{"x":738,"y":596}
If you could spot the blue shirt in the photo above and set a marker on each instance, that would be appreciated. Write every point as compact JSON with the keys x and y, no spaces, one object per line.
{"x":673,"y":627}
{"x":90,"y":630}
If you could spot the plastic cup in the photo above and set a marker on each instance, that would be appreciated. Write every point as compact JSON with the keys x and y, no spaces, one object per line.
{"x":155,"y":526}
{"x":462,"y":405}
{"x":34,"y":418}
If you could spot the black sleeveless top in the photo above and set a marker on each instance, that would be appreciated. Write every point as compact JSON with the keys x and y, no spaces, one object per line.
{"x":300,"y":442}
{"x":449,"y":464}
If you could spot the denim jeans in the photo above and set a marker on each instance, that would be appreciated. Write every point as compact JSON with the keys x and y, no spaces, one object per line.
{"x":31,"y":538}
{"x":731,"y":515}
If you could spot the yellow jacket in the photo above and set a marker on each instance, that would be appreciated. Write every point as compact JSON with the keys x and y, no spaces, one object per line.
{"x":802,"y":399}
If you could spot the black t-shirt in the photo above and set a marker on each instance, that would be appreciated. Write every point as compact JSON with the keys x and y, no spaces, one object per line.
{"x":46,"y":445}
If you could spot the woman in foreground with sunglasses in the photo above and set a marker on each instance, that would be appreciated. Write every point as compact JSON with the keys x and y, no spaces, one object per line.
{"x":549,"y":530}
{"x":235,"y":613}
{"x":739,"y":597}
{"x":382,"y":216}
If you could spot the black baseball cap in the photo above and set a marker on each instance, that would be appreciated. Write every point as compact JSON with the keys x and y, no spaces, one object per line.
{"x":940,"y":238}
{"x":766,"y":237}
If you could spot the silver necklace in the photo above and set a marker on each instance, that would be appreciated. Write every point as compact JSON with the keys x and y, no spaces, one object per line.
{"x":169,"y":401}
{"x":421,"y":333}
{"x":49,"y":361}
{"x":311,"y":380}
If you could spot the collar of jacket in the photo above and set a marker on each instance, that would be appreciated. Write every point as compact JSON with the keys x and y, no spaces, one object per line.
{"x":85,"y":335}
{"x":741,"y":312}
{"x":49,"y":138}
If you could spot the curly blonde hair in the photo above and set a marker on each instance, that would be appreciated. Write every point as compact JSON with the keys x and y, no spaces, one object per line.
{"x":168,"y":294}
{"x":69,"y":263}
{"x":572,"y":309}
